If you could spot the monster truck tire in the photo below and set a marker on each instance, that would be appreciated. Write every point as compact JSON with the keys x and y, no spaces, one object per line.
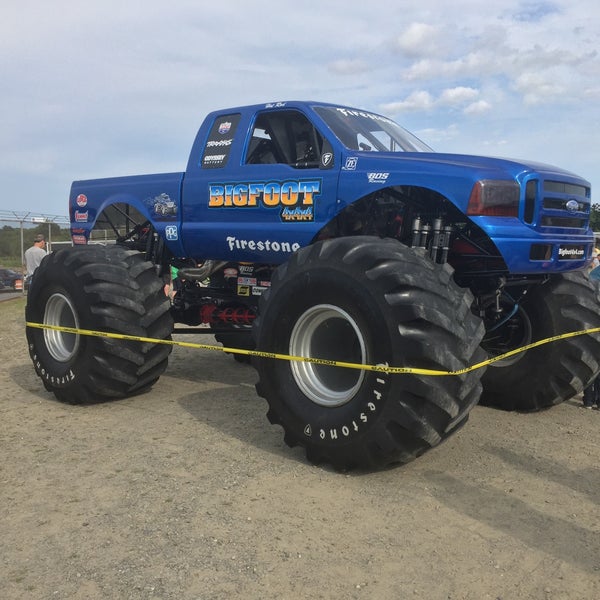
{"x":372,"y":301}
{"x":554,"y":372}
{"x":101,"y":288}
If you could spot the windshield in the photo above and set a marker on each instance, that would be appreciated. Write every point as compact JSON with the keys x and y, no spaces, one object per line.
{"x":361,"y":130}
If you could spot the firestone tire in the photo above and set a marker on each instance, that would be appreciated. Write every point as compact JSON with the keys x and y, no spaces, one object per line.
{"x":101,"y":288}
{"x":552,"y":373}
{"x":371,"y":301}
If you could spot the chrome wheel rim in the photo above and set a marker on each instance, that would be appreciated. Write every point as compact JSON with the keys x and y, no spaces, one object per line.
{"x":60,"y":312}
{"x":327,"y":332}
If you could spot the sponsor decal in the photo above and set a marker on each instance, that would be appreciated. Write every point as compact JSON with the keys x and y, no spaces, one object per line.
{"x":294,"y":198}
{"x":171,"y":233}
{"x":361,"y":113}
{"x":246,"y":269}
{"x":351,"y":163}
{"x":243,"y":290}
{"x":163,"y":205}
{"x":261,"y":245}
{"x":230,"y":272}
{"x":224,"y":127}
{"x":247,"y":280}
{"x":297,"y":214}
{"x":275,"y":105}
{"x":258,"y":290}
{"x":571,"y":252}
{"x":218,"y":146}
{"x":377,"y":177}
{"x":81,"y":200}
{"x":79,"y":240}
{"x":214,"y":158}
{"x":81,"y":217}
{"x":326,"y":159}
{"x":219,"y":143}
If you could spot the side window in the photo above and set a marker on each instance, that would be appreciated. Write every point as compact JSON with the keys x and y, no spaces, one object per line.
{"x":262,"y":149}
{"x":218,"y":146}
{"x":286,"y":137}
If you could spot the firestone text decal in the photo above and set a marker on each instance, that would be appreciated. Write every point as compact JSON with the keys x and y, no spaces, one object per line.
{"x":294,"y":198}
{"x":261,"y":245}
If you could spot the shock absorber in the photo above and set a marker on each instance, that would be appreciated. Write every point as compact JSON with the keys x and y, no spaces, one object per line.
{"x":416,"y":228}
{"x":435,"y":240}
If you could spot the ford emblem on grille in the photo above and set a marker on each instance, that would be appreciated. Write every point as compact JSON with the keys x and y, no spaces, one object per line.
{"x":572,"y":206}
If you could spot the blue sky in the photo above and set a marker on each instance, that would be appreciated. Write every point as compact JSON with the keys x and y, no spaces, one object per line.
{"x":94,"y":89}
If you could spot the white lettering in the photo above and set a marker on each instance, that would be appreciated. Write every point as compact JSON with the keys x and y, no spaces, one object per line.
{"x":234,"y":243}
{"x":217,"y":143}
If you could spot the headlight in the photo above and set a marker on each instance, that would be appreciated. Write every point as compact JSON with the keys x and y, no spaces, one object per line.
{"x":494,"y":199}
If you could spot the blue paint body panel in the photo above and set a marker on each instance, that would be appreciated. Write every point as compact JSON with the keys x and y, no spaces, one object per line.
{"x":223,"y":208}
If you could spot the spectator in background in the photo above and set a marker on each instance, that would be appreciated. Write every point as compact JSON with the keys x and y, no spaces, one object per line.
{"x":34,"y":256}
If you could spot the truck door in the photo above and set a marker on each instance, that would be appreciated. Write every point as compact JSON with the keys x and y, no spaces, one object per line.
{"x":281,"y":194}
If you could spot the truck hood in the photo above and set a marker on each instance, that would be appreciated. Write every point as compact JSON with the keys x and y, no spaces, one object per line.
{"x":484,"y":167}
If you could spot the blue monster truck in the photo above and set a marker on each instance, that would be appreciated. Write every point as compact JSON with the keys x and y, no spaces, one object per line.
{"x":315,"y":230}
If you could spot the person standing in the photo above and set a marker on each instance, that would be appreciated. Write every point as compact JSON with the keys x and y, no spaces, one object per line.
{"x":34,"y":255}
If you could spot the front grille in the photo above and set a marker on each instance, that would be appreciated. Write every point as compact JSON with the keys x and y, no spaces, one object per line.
{"x":563,"y":222}
{"x":561,"y":187}
{"x":562,"y":205}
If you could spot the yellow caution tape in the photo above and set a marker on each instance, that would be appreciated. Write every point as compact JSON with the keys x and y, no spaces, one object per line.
{"x":319,"y":361}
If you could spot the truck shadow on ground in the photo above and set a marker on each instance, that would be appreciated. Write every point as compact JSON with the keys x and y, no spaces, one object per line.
{"x":241,"y":418}
{"x":586,"y":482}
{"x":568,"y":541}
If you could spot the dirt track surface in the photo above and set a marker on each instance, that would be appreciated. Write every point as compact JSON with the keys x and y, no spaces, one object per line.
{"x":187,"y":492}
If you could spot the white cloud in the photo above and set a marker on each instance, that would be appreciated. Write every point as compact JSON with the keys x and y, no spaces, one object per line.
{"x":419,"y":39}
{"x":478,"y":108}
{"x":458,"y":95}
{"x":539,"y":88}
{"x":420,"y":100}
{"x":453,"y":98}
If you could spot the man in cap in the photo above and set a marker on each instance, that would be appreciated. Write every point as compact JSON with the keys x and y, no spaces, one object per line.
{"x":34,"y":255}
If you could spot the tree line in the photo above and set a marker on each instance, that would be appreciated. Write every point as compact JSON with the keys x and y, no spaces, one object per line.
{"x":10,"y":240}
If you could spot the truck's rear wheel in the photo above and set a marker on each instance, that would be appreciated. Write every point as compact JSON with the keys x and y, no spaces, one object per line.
{"x":370,"y":301}
{"x":554,"y":372}
{"x":98,"y":288}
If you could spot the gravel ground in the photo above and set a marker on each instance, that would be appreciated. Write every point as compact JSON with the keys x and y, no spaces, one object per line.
{"x":187,"y":492}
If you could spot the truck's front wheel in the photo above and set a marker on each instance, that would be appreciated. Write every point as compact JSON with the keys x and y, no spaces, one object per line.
{"x":98,"y":288}
{"x":554,"y":372}
{"x":368,"y":301}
